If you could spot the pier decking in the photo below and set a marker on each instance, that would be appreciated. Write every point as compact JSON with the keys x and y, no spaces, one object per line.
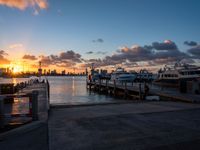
{"x":136,"y":90}
{"x":112,"y":126}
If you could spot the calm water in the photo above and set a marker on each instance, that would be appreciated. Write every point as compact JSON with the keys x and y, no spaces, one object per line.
{"x":72,"y":90}
{"x":68,"y":90}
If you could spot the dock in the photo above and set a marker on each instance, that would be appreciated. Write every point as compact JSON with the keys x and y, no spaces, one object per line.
{"x":137,"y":91}
{"x":126,"y":125}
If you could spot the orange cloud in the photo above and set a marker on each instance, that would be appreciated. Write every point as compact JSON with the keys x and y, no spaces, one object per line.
{"x":23,"y":4}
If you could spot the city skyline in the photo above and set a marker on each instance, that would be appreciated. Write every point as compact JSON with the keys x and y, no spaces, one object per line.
{"x":73,"y":34}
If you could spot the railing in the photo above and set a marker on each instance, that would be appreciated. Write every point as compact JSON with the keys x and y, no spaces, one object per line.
{"x":33,"y":106}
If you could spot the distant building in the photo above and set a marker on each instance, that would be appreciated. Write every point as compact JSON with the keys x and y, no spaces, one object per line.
{"x":63,"y":72}
{"x":45,"y":71}
{"x":53,"y":72}
{"x":2,"y":71}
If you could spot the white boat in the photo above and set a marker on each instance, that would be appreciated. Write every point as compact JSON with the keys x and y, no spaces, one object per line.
{"x":121,"y":75}
{"x":145,"y":75}
{"x":180,"y":72}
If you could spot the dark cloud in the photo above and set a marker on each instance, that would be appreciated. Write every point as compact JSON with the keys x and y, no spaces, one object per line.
{"x":101,"y":53}
{"x":195,"y":51}
{"x":46,"y":60}
{"x":98,"y":53}
{"x":70,"y":55}
{"x":190,"y":43}
{"x":2,"y":52}
{"x":166,"y":45}
{"x":90,"y":52}
{"x":166,"y":53}
{"x":64,"y":59}
{"x":29,"y":57}
{"x":3,"y":60}
{"x":99,"y":40}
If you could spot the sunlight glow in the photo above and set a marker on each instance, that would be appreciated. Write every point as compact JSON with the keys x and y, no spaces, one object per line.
{"x":17,"y":68}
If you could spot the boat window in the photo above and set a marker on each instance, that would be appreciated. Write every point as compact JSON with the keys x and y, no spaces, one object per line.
{"x":197,"y":72}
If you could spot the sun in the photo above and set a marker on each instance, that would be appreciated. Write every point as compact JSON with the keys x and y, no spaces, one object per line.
{"x":17,"y":69}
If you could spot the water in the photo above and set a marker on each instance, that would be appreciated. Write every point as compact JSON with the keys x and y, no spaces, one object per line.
{"x":13,"y":80}
{"x":68,"y":90}
{"x":72,"y":90}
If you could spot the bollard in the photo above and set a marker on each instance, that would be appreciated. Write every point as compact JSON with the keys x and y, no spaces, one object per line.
{"x":1,"y":111}
{"x":34,"y":100}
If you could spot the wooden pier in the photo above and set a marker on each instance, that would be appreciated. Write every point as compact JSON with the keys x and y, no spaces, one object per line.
{"x":137,"y":91}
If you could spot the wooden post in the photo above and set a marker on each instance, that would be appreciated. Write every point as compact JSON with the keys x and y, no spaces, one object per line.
{"x":99,"y":85}
{"x":140,"y":91}
{"x":125,"y":90}
{"x":114,"y":88}
{"x":1,"y":111}
{"x":106,"y":85}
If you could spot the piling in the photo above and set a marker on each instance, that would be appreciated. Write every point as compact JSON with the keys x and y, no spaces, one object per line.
{"x":114,"y":88}
{"x":125,"y":90}
{"x":140,"y":91}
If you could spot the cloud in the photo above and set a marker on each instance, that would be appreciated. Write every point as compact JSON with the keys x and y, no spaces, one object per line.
{"x":13,"y":46}
{"x":90,"y":52}
{"x":64,"y":59}
{"x":101,"y":53}
{"x":2,"y":52}
{"x":190,"y":43}
{"x":166,"y":45}
{"x":29,"y":57}
{"x":195,"y":51}
{"x":154,"y":54}
{"x":23,"y":4}
{"x":3,"y":60}
{"x":99,"y":40}
{"x":70,"y":55}
{"x":98,"y":53}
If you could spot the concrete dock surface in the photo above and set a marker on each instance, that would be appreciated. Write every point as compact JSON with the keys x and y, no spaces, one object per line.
{"x":144,"y":125}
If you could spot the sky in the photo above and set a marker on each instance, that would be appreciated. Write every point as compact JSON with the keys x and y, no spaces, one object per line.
{"x":67,"y":34}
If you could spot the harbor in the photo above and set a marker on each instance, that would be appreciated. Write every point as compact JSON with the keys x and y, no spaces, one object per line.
{"x":126,"y":123}
{"x":99,"y":75}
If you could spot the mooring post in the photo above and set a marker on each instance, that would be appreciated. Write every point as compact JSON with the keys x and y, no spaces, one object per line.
{"x":114,"y":88}
{"x":140,"y":91}
{"x":34,"y":98}
{"x":106,"y":85}
{"x":125,"y":90}
{"x":1,"y":111}
{"x":99,"y":85}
